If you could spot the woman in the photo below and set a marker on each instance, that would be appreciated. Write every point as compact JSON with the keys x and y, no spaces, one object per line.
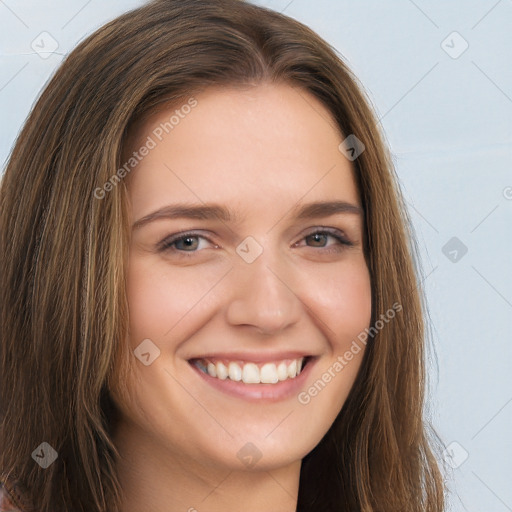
{"x":209,"y":299}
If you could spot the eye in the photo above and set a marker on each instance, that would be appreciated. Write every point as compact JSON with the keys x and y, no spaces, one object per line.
{"x":319,"y":238}
{"x":186,"y":244}
{"x":182,"y":243}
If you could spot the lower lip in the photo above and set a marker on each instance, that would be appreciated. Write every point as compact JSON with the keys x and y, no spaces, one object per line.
{"x":259,"y":392}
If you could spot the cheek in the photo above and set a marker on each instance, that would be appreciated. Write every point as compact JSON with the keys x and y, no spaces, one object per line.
{"x":158,"y":296}
{"x":148,"y":299}
{"x":341,"y":298}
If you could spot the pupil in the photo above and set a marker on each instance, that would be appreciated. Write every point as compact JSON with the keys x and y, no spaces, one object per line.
{"x":188,"y":242}
{"x":317,"y":237}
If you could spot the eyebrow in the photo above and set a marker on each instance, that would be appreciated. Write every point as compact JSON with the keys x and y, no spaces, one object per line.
{"x":216,"y":212}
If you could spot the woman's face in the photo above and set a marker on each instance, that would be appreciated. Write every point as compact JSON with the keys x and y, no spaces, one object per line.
{"x":231,"y":269}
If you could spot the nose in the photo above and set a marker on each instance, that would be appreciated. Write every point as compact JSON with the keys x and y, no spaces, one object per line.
{"x":263,"y":297}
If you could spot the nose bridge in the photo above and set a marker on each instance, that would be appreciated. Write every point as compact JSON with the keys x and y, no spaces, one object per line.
{"x":262,"y":294}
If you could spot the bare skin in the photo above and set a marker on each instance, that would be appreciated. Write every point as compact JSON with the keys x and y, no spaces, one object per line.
{"x":262,"y":152}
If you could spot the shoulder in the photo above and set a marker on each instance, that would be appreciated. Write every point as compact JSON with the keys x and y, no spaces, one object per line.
{"x":7,"y":502}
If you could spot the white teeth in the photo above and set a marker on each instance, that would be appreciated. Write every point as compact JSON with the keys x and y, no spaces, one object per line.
{"x":292,"y":369}
{"x":235,"y":372}
{"x":269,"y":373}
{"x":251,"y":373}
{"x":282,"y":371}
{"x":222,"y":371}
{"x":212,"y":370}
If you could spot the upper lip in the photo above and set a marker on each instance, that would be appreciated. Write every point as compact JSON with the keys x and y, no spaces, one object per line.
{"x":253,"y":357}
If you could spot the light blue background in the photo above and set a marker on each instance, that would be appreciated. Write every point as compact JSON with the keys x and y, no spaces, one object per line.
{"x":449,"y":124}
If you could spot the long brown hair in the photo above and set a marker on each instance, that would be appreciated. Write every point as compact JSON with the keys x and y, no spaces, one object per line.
{"x":63,"y":250}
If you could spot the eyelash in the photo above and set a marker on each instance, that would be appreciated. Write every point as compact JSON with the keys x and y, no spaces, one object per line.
{"x":166,"y":245}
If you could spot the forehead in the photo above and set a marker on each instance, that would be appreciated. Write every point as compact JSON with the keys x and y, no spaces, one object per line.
{"x":268,"y":144}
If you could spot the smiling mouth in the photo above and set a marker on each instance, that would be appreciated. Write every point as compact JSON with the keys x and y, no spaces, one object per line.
{"x":252,"y":373}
